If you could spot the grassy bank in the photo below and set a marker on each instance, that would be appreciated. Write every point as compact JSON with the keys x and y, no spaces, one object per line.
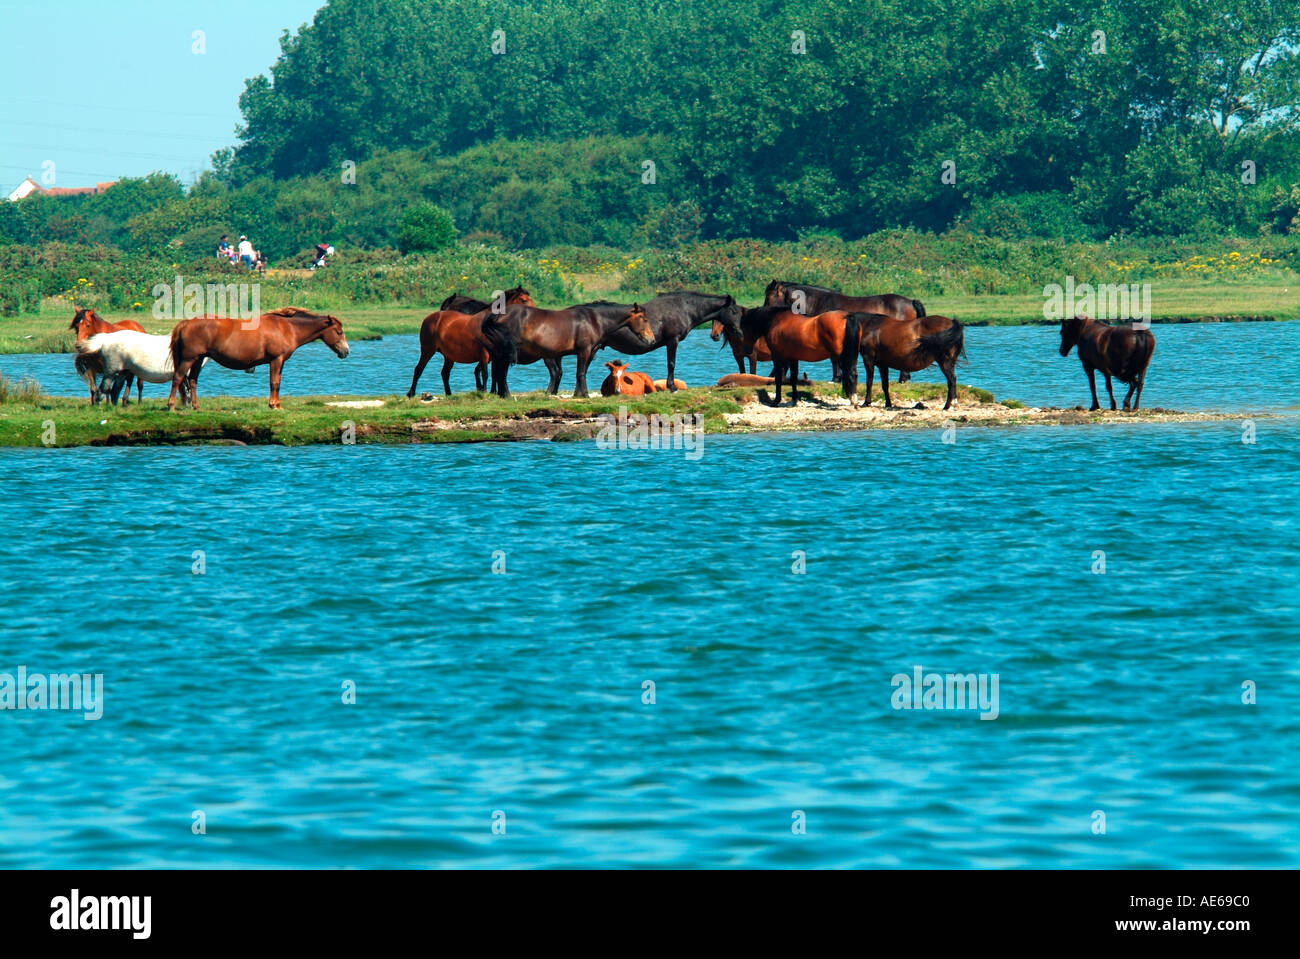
{"x":28,"y":419}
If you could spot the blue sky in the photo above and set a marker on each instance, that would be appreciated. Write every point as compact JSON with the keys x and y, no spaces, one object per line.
{"x":110,"y":90}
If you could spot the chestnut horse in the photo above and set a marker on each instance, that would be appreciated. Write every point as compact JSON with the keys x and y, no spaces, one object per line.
{"x":455,"y":331}
{"x":1123,"y":352}
{"x":819,"y":299}
{"x":793,"y":337}
{"x":526,"y":334}
{"x":625,"y":382}
{"x":86,"y":322}
{"x":241,"y":345}
{"x":910,"y":345}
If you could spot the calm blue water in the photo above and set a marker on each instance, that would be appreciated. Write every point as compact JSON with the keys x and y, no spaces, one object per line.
{"x":1230,"y":366}
{"x":522,"y":692}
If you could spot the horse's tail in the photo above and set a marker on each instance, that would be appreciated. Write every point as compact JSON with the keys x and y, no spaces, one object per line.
{"x":919,"y":307}
{"x":949,"y":340}
{"x":849,"y":353}
{"x":500,"y":340}
{"x":176,"y":346}
{"x":90,"y":346}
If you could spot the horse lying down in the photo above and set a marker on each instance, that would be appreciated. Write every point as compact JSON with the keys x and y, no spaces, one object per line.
{"x":625,"y":382}
{"x":147,"y":357}
{"x":751,"y":379}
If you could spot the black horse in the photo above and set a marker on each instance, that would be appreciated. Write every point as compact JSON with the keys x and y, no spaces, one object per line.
{"x":526,"y":334}
{"x":819,"y":299}
{"x":1123,"y":352}
{"x":671,"y":316}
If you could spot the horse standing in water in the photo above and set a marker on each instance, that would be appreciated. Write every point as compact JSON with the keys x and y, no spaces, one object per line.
{"x":795,"y":336}
{"x":454,"y":330}
{"x":911,"y":345}
{"x":242,"y":344}
{"x":86,"y":323}
{"x":1119,"y":351}
{"x":819,"y":299}
{"x":526,"y":334}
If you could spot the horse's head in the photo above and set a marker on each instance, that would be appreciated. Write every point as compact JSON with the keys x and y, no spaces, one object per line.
{"x":81,"y":321}
{"x":639,"y":324}
{"x":1071,"y":330}
{"x":334,"y":338}
{"x":619,"y":372}
{"x":727,"y":321}
{"x":519,"y":295}
{"x":776,"y":294}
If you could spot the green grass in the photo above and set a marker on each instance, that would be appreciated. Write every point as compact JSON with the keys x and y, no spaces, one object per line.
{"x":26,"y":418}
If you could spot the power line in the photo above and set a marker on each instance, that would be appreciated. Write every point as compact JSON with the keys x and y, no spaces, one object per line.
{"x":139,"y":133}
{"x":93,"y":106}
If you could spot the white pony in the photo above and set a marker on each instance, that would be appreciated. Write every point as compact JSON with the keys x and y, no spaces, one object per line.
{"x":149,"y":357}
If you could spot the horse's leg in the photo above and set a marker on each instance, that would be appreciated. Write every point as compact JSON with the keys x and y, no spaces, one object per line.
{"x":556,"y":370}
{"x":447,"y":364}
{"x":1129,"y":395}
{"x":193,"y":382}
{"x":794,"y":383}
{"x":904,"y":376}
{"x":836,"y":372}
{"x":277,"y":365}
{"x":1141,"y":382}
{"x":139,"y":390}
{"x":778,"y":376}
{"x":178,"y":377}
{"x":672,"y":364}
{"x":1092,"y":384}
{"x":871,"y":375}
{"x":580,"y":380}
{"x":480,"y":376}
{"x":1109,"y":391}
{"x":419,"y":368}
{"x":884,"y":385}
{"x":950,"y":374}
{"x":127,"y":382}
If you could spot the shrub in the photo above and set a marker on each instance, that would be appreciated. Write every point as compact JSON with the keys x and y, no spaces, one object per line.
{"x":425,"y":228}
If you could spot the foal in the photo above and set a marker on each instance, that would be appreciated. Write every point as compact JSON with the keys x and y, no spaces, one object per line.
{"x":1119,"y":351}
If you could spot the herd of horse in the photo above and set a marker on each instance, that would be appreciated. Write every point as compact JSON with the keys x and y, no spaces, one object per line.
{"x":797,"y":323}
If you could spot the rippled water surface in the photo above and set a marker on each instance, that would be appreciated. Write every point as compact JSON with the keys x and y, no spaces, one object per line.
{"x":521,"y":693}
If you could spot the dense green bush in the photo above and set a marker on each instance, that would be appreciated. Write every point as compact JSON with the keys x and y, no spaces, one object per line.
{"x":425,"y":228}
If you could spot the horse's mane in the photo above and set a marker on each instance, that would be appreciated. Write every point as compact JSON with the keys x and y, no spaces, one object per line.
{"x":81,"y":314}
{"x":809,"y":287}
{"x":296,"y":313}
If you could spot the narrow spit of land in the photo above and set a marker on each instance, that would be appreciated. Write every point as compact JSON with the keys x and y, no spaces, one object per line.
{"x":43,"y":421}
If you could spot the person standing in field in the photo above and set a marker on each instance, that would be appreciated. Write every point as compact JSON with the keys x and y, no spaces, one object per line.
{"x":246,"y":254}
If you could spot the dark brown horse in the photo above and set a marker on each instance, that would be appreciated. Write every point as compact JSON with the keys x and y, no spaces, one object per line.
{"x":758,"y":351}
{"x":805,"y":298}
{"x":534,"y":334}
{"x":1123,"y":352}
{"x":467,"y":304}
{"x":455,"y":332}
{"x":86,"y":322}
{"x":911,"y":345}
{"x":243,"y":344}
{"x":793,"y":337}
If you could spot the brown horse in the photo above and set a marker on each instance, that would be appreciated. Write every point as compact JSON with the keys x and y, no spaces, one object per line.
{"x":1123,"y":352}
{"x":531,"y":334}
{"x":625,"y":382}
{"x":240,"y":345}
{"x":455,"y":331}
{"x":809,"y":299}
{"x":758,"y":352}
{"x":793,"y":337}
{"x":86,"y":322}
{"x":911,"y":345}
